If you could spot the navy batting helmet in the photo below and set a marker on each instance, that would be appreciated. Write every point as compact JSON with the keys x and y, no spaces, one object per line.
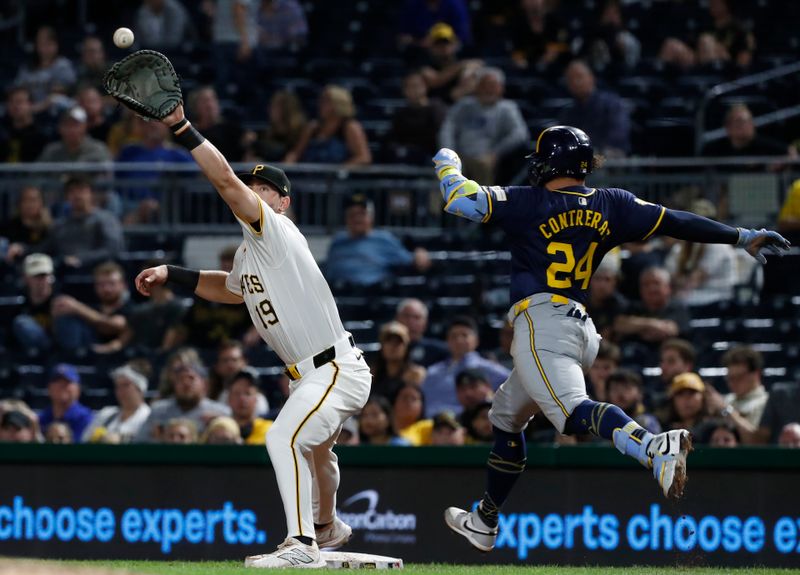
{"x":561,"y":151}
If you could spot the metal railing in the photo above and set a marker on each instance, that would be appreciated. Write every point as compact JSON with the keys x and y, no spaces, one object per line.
{"x":406,"y":198}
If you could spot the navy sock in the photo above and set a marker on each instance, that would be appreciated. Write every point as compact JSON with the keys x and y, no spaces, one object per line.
{"x":599,"y":419}
{"x":506,"y":463}
{"x":304,"y":540}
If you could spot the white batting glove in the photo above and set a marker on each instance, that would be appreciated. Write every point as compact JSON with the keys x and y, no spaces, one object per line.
{"x":446,"y":158}
{"x":756,"y":242}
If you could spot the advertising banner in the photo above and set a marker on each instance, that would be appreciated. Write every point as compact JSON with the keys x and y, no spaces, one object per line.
{"x":555,"y":516}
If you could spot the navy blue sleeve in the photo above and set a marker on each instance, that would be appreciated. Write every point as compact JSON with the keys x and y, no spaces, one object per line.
{"x":636,"y":220}
{"x":693,"y":228}
{"x":505,"y":203}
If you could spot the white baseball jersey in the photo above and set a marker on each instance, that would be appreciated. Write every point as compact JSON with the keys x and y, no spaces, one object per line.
{"x":287,"y":296}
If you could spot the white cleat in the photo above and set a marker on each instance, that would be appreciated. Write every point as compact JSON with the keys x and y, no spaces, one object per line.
{"x":668,"y":453}
{"x":289,"y":554}
{"x":471,"y":527}
{"x":334,"y":535}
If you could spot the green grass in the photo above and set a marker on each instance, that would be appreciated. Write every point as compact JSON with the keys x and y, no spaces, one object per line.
{"x":236,"y":568}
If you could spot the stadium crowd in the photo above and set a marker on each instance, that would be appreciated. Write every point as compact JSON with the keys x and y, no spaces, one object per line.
{"x":94,"y":362}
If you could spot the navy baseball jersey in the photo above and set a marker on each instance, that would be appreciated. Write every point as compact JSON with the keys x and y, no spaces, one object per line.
{"x":559,"y":237}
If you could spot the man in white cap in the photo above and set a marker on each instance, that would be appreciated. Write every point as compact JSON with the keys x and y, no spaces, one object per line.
{"x":33,"y":326}
{"x":75,"y":145}
{"x":120,"y":424}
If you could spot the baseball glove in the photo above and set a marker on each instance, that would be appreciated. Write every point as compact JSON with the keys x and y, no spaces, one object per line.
{"x":146,"y":83}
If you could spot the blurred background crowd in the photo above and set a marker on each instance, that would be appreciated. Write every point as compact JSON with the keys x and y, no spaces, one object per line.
{"x":695,"y":336}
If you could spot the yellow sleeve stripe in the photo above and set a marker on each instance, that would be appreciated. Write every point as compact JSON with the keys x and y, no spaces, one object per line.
{"x":489,"y":213}
{"x":658,"y":223}
{"x":260,"y":230}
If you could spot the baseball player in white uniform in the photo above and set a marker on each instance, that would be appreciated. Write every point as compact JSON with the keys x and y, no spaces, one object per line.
{"x":291,"y":305}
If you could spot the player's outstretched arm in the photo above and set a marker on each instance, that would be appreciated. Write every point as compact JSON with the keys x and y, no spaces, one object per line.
{"x":239,"y":197}
{"x":694,"y":228}
{"x":208,"y":284}
{"x":462,"y":197}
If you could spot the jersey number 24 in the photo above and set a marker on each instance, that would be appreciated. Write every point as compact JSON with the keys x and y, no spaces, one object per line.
{"x":560,"y":273}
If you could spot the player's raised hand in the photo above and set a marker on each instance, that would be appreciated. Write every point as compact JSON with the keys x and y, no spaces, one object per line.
{"x":151,"y":277}
{"x":446,"y":158}
{"x":756,"y":242}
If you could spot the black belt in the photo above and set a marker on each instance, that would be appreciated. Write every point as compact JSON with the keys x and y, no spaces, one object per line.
{"x":323,"y":357}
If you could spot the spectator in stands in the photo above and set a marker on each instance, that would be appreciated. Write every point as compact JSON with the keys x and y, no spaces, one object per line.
{"x":472,"y":389}
{"x":99,"y":326}
{"x":603,"y":115}
{"x":447,"y":430}
{"x":419,"y":16}
{"x":124,"y":132}
{"x":63,"y":389}
{"x":448,"y":78}
{"x":737,"y":42}
{"x":625,"y":389}
{"x":243,"y":399}
{"x":364,"y":256}
{"x":59,"y":433}
{"x":392,"y":368}
{"x":462,"y":341}
{"x":745,"y":404}
{"x":611,"y":44}
{"x":75,"y":144}
{"x":415,"y":127}
{"x":718,"y":433}
{"x":287,"y":123}
{"x":742,"y":140}
{"x":141,"y":201}
{"x":180,"y":431}
{"x":33,"y":327}
{"x":538,"y":36}
{"x":282,"y":27}
{"x":48,"y":75}
{"x":176,"y":362}
{"x":222,"y":430}
{"x":783,"y":408}
{"x":21,"y":138}
{"x":336,"y":136}
{"x":19,"y":426}
{"x":207,"y":324}
{"x":413,"y":314}
{"x":121,"y":423}
{"x":607,"y":362}
{"x":606,"y":303}
{"x":227,"y":135}
{"x":789,"y":216}
{"x":234,"y":36}
{"x":189,"y":402}
{"x":93,"y":64}
{"x":702,"y":273}
{"x":477,"y":425}
{"x":152,"y":323}
{"x":657,"y":316}
{"x":677,"y":356}
{"x":790,"y":436}
{"x":163,"y":25}
{"x":408,"y":410}
{"x":375,"y":425}
{"x":484,"y":127}
{"x":502,"y":353}
{"x":28,"y":228}
{"x":97,"y":121}
{"x":231,"y":361}
{"x":687,"y":404}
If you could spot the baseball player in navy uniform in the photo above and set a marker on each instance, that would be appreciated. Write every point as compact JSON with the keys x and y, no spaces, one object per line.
{"x":559,"y":230}
{"x":274,"y":274}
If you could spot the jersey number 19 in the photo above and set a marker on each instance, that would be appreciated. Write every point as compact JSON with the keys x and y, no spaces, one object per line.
{"x":560,"y":273}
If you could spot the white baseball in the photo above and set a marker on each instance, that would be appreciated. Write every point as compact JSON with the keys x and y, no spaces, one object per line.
{"x":123,"y":38}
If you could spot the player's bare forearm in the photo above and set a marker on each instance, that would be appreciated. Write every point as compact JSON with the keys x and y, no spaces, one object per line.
{"x":239,"y":197}
{"x":212,"y":288}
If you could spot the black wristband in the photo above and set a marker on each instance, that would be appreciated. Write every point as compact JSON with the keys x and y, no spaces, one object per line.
{"x":185,"y":134}
{"x":183,"y":277}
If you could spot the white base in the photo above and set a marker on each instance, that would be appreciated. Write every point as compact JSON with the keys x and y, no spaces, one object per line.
{"x":347,"y":560}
